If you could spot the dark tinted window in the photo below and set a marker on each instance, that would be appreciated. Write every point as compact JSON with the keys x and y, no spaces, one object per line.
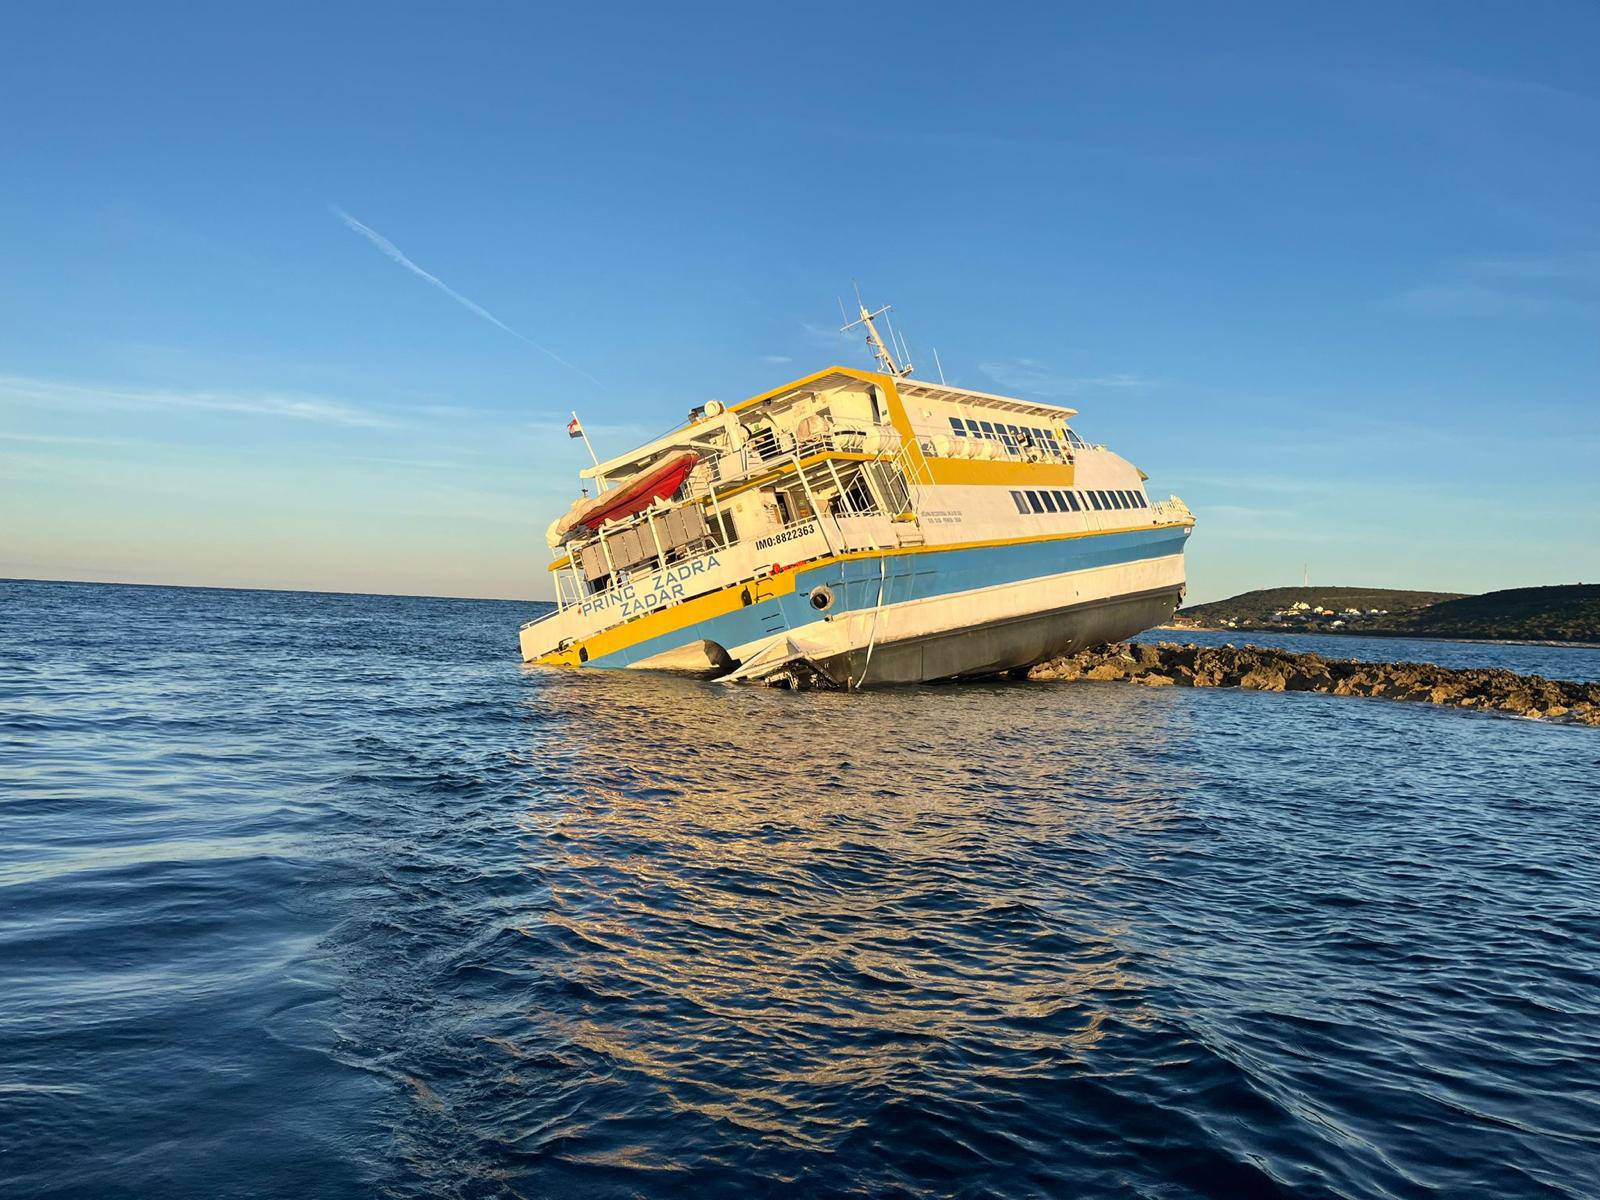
{"x":1038,"y":504}
{"x":958,"y":427}
{"x":1094,"y":499}
{"x":1049,"y":499}
{"x":1072,"y":501}
{"x":987,"y":427}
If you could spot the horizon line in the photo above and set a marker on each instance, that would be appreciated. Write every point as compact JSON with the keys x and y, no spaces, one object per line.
{"x":227,"y":587}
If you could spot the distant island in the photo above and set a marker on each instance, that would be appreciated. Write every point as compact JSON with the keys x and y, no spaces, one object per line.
{"x":1560,"y":613}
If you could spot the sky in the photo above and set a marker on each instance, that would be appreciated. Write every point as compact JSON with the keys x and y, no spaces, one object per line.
{"x":301,"y":295}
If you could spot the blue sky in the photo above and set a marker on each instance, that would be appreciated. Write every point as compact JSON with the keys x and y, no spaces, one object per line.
{"x":1332,"y":275}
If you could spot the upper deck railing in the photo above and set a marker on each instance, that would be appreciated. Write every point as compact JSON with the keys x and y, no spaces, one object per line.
{"x":1170,"y":511}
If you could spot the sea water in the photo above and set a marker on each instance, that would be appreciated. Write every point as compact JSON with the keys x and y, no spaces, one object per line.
{"x":312,"y":895}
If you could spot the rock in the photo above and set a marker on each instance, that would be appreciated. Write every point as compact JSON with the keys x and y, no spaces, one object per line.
{"x":1169,"y":664}
{"x":1264,"y":680}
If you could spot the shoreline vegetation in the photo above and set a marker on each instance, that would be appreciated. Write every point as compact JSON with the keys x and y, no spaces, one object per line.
{"x":1559,"y":615}
{"x":1168,"y":664}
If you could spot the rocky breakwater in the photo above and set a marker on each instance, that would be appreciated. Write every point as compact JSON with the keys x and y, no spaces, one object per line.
{"x":1265,"y":670}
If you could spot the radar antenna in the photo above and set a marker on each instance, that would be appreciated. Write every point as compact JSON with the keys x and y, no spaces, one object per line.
{"x":880,"y":350}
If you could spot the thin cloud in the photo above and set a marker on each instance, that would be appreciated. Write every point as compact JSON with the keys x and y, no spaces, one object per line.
{"x":1507,"y":286}
{"x":1033,"y":376}
{"x":776,"y":360}
{"x":397,"y":255}
{"x":49,"y":393}
{"x":1462,"y":300}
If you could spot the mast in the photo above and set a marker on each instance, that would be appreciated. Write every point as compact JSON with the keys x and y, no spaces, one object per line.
{"x":880,"y":350}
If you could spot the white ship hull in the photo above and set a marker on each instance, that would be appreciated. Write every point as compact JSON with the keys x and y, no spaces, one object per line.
{"x":847,"y":542}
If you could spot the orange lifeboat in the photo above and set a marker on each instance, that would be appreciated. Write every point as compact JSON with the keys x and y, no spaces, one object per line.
{"x":634,"y":496}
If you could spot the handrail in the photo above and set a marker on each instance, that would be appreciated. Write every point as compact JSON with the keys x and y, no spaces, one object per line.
{"x":1170,"y":510}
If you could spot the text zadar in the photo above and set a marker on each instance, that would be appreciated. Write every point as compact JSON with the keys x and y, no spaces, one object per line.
{"x":665,"y":586}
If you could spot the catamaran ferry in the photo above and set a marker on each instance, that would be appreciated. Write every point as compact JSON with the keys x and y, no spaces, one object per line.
{"x":857,"y":528}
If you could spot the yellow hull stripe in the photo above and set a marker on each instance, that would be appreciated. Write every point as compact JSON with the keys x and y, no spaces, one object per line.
{"x":690,"y":612}
{"x":728,"y":599}
{"x":1020,"y":474}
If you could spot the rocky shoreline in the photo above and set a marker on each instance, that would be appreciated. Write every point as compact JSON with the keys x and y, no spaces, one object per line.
{"x":1487,"y":688}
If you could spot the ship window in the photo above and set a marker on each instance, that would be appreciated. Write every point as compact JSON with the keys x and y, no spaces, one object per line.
{"x":1119,"y":498}
{"x":1038,"y":504}
{"x":972,"y":428}
{"x":1008,"y":437}
{"x":987,"y":427}
{"x":1049,"y":499}
{"x":1094,"y":500}
{"x":958,"y":427}
{"x":1076,"y":501}
{"x":1144,"y":501}
{"x":1133,"y":501}
{"x":1020,"y":501}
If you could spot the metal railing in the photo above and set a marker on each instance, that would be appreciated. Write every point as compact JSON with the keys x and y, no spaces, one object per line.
{"x":1170,"y":510}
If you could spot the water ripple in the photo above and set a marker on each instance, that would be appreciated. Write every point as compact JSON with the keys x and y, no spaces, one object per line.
{"x":324,"y":896}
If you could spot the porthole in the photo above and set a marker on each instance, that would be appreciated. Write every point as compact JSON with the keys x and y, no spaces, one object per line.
{"x":821,"y":598}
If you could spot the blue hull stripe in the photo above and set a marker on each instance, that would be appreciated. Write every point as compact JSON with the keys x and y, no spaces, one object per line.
{"x":915,"y":576}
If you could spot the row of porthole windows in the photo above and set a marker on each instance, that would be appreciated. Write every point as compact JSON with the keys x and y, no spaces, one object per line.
{"x":1049,"y":500}
{"x":1013,"y":436}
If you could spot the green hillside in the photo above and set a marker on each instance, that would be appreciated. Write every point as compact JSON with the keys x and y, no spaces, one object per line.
{"x":1559,"y":613}
{"x":1258,"y":607}
{"x":1563,"y":613}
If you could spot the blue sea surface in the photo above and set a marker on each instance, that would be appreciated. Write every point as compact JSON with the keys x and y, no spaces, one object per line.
{"x":311,"y":895}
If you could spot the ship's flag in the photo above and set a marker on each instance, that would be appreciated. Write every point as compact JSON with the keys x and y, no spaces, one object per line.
{"x":573,"y":428}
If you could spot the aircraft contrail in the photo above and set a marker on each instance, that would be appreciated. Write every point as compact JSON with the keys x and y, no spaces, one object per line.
{"x":395,"y":253}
